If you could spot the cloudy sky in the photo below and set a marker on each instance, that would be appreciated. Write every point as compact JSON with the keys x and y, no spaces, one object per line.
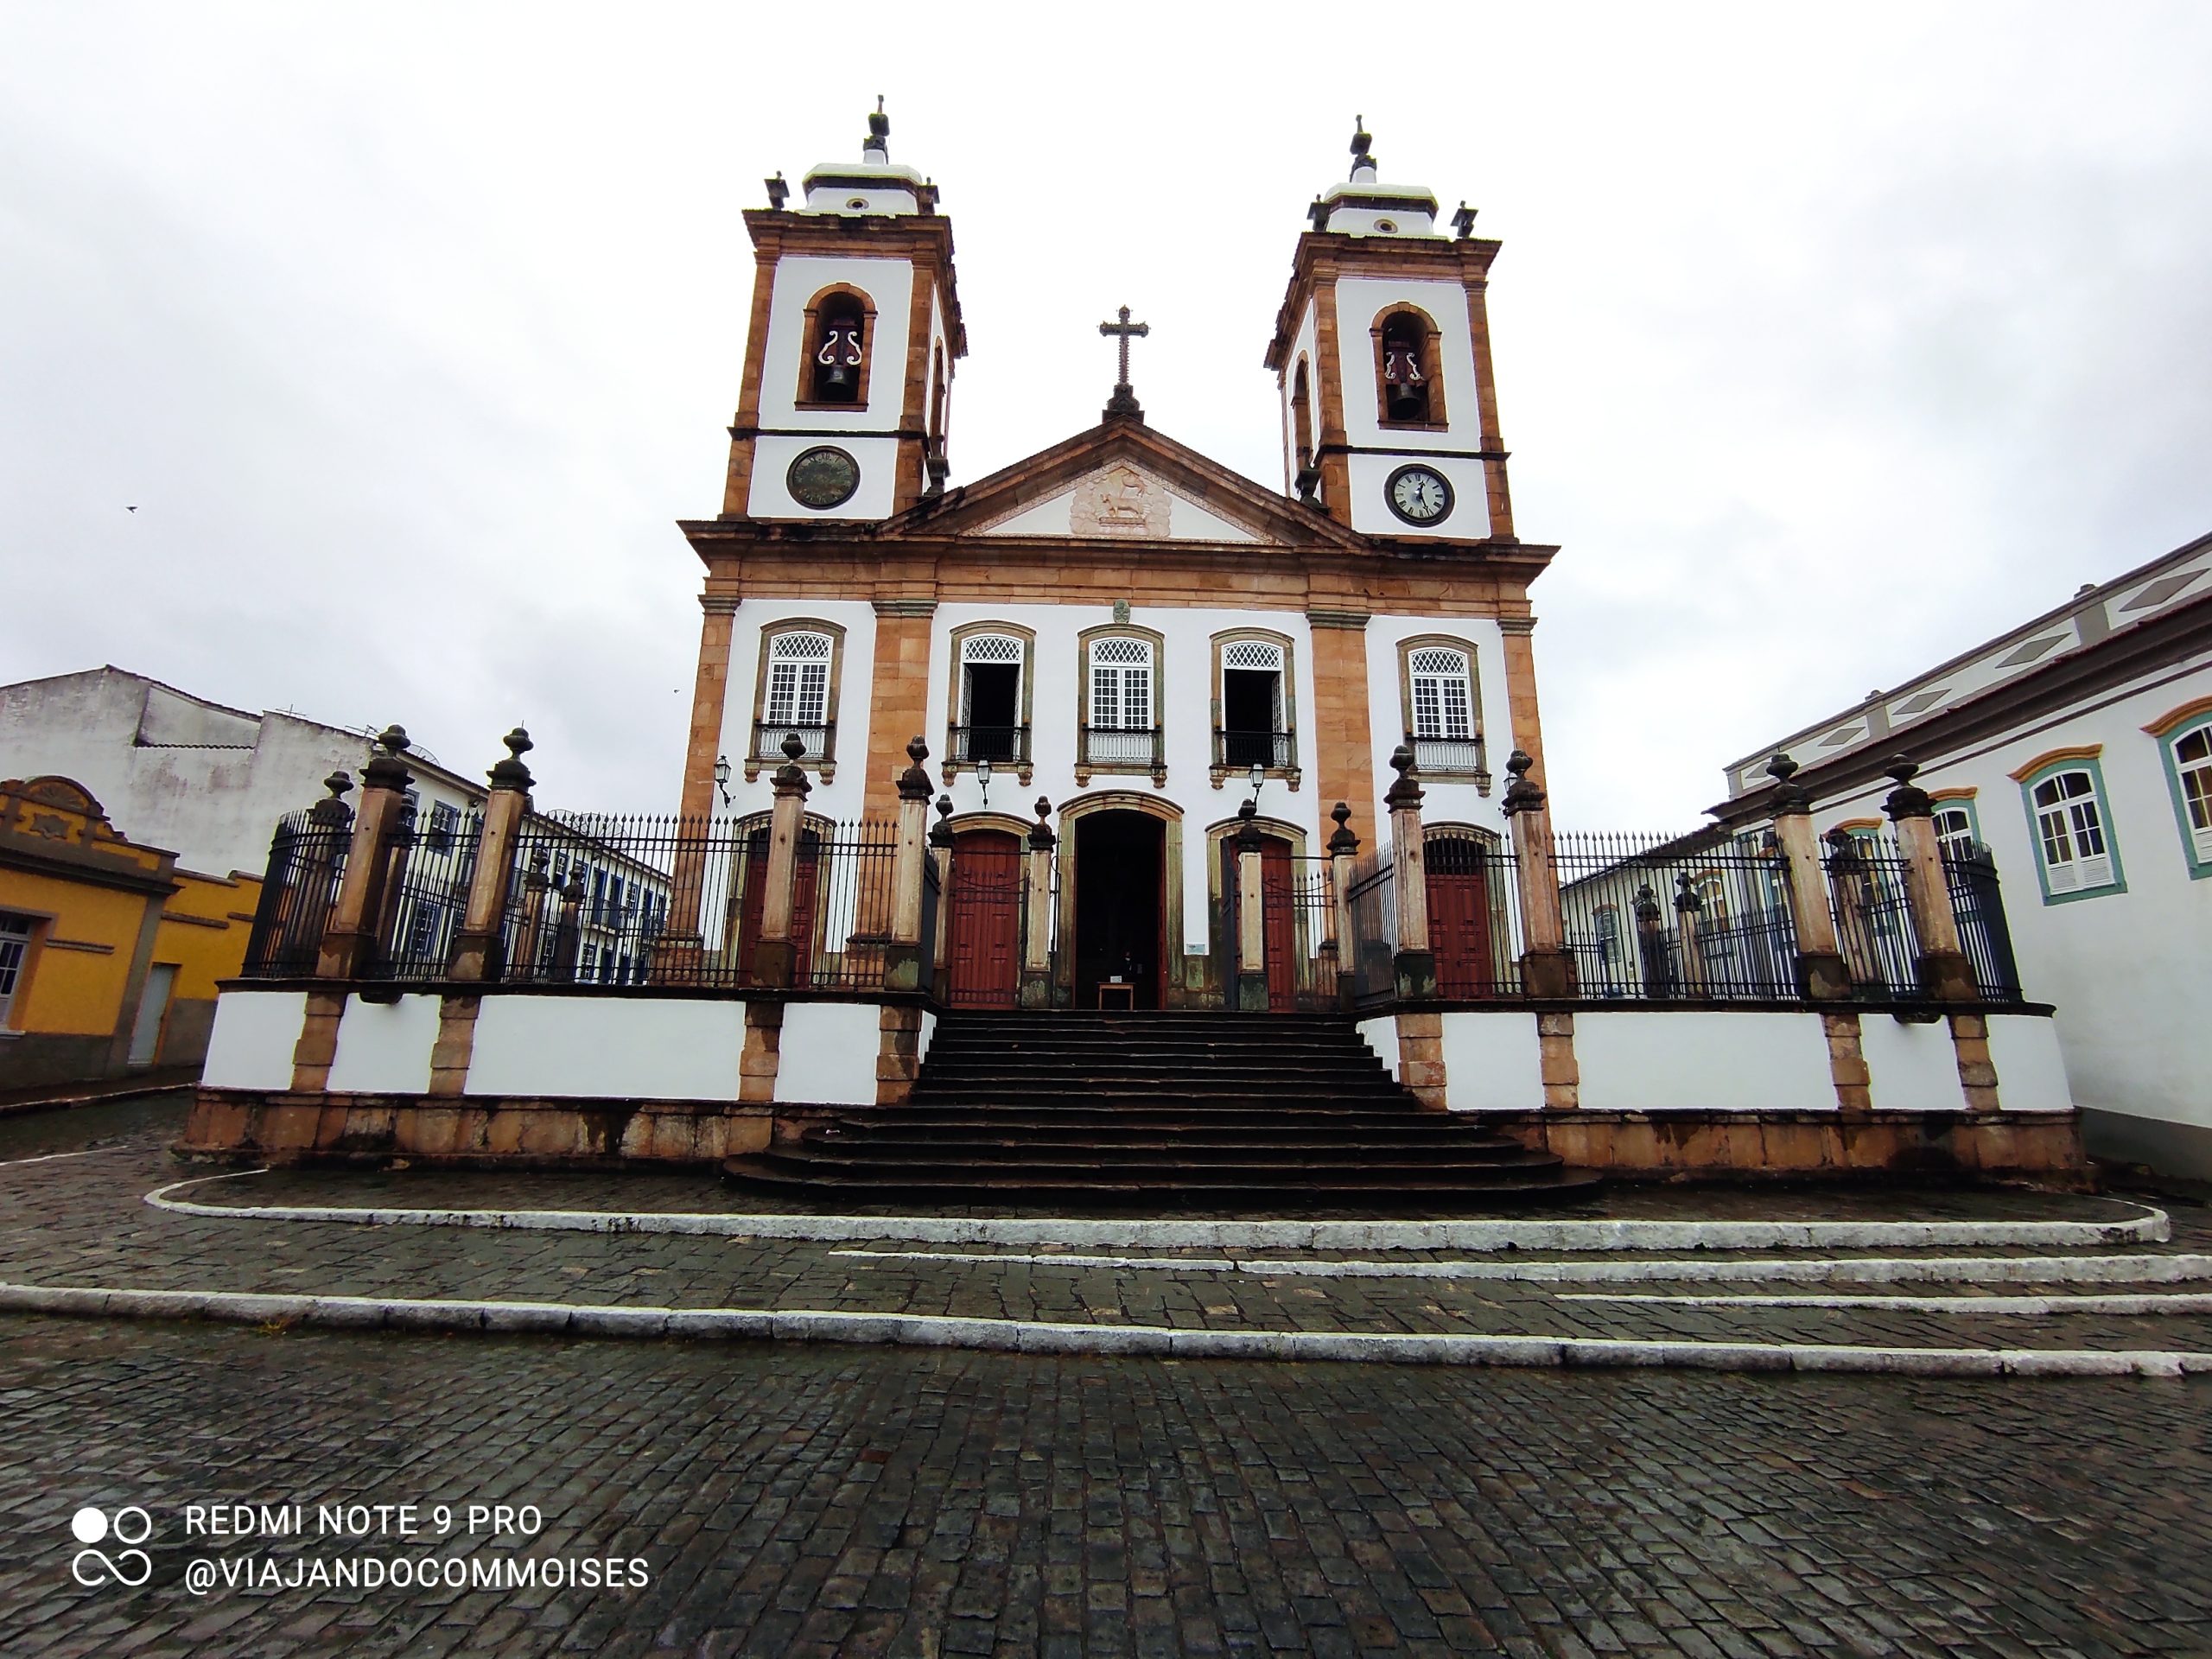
{"x":1829,"y":341}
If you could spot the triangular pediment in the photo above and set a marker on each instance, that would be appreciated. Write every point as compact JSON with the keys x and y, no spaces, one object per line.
{"x":1123,"y":482}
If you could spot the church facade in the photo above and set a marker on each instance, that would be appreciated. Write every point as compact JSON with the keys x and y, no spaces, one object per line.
{"x":1117,"y":636}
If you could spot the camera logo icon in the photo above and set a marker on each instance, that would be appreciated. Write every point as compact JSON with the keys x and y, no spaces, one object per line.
{"x":92,"y":1565}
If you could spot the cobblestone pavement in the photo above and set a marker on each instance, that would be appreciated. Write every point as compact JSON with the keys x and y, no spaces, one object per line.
{"x":79,"y":1220}
{"x":815,"y":1501}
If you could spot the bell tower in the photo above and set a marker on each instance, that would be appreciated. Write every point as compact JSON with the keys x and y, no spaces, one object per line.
{"x":1382,"y":355}
{"x":842,"y":411}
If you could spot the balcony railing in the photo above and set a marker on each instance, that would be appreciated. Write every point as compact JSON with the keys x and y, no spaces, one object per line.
{"x":999,"y":745}
{"x":1276,"y":751}
{"x":1104,"y":745}
{"x":1460,"y":757}
{"x":768,"y":742}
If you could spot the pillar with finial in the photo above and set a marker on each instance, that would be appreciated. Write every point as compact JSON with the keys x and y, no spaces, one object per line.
{"x":1251,"y":915}
{"x":775,"y":954}
{"x":1945,"y":973}
{"x":298,"y":906}
{"x":941,"y":856}
{"x":1821,"y":972}
{"x":479,"y":946}
{"x":902,"y":959}
{"x":1414,"y":964}
{"x":1037,"y":914}
{"x":350,"y":937}
{"x":1545,"y":968}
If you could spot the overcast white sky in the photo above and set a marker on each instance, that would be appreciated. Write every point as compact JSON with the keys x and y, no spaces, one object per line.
{"x":1829,"y":342}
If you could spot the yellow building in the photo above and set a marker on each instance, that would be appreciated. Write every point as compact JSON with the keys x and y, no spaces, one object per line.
{"x":109,"y":953}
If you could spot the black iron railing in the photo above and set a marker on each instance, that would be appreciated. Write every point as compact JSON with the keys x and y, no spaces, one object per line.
{"x":1676,"y":916}
{"x":307,"y":861}
{"x":1276,"y":751}
{"x":1979,"y":907}
{"x":999,"y":745}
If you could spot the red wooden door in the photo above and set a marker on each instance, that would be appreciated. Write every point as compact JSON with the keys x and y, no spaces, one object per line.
{"x":804,"y":885}
{"x":982,"y":935}
{"x":1459,"y":918}
{"x":1281,"y":931}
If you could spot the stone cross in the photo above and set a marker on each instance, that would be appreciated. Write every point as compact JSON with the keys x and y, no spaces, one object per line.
{"x":1124,"y":400}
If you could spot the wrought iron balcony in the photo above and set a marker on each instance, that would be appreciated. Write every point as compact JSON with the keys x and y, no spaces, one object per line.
{"x":1237,"y":751}
{"x":768,"y":742}
{"x":1452,"y":757}
{"x":1110,"y":745}
{"x":999,"y":745}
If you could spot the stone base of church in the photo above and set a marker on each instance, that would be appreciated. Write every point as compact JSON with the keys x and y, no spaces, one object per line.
{"x":1793,"y":1144}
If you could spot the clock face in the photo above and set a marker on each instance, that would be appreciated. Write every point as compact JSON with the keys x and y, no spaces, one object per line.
{"x":823,"y":478}
{"x":1418,"y":495}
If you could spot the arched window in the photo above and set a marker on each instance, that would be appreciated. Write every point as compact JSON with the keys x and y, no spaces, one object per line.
{"x":991,"y":698}
{"x":1302,"y":419}
{"x":2193,"y":769}
{"x":1442,"y":712}
{"x":1255,"y":708}
{"x":797,"y":693}
{"x":937,"y":399}
{"x":1408,"y":391}
{"x":835,"y":371}
{"x":2072,"y":831}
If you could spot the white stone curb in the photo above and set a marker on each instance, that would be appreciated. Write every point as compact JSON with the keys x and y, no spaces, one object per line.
{"x":1861,"y":1269}
{"x":2028,"y":1307}
{"x":2151,"y":1227}
{"x":1035,"y":1337}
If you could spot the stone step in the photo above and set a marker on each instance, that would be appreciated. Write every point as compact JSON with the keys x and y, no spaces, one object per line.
{"x":1412,"y":1186}
{"x":1192,"y":1153}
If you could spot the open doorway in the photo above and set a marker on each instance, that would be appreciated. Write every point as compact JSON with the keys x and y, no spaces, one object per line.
{"x":1120,"y":896}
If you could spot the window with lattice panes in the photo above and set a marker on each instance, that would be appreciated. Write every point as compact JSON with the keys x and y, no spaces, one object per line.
{"x":15,"y":948}
{"x":2192,"y":759}
{"x":990,"y":695}
{"x":1955,"y":830}
{"x":1121,"y":684}
{"x":1443,"y":694}
{"x":799,"y":680}
{"x":2070,"y":833}
{"x":1252,"y":706}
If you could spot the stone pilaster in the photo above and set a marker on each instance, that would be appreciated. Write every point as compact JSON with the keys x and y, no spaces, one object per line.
{"x":941,"y":856}
{"x":899,"y":1058}
{"x":1251,"y":916}
{"x":354,"y":933}
{"x":1945,"y":973}
{"x":774,"y":956}
{"x":763,"y":1054}
{"x":1821,"y":972}
{"x":1977,"y":1071}
{"x":1847,"y":1063}
{"x":1561,"y":1071}
{"x":1421,"y":1057}
{"x":318,"y":1043}
{"x":1545,"y":968}
{"x":1414,"y":965}
{"x":478,"y":948}
{"x":455,"y":1046}
{"x":899,"y":692}
{"x":1037,"y":922}
{"x":902,"y":956}
{"x":1344,"y":847}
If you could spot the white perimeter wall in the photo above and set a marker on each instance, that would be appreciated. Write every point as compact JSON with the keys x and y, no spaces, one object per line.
{"x":1908,"y":1062}
{"x":828,"y":1053}
{"x":1382,"y":1036}
{"x":255,"y":1034}
{"x":1690,"y":1060}
{"x":617,"y":1047}
{"x":384,"y":1048}
{"x":1492,"y":1063}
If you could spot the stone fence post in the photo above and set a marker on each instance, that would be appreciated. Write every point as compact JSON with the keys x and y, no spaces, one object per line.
{"x":351,"y":939}
{"x":1821,"y":972}
{"x":1545,"y":968}
{"x":1037,"y":926}
{"x":1251,"y":915}
{"x":774,"y":956}
{"x":478,"y":950}
{"x":1344,"y":847}
{"x":1415,"y":963}
{"x":941,"y":854}
{"x":1945,"y":973}
{"x":902,"y":957}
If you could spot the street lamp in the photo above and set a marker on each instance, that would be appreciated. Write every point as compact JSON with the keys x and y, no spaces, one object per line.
{"x":984,"y":778}
{"x":1258,"y":777}
{"x":721,"y":776}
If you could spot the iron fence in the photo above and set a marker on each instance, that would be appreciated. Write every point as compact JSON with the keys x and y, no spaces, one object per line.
{"x":1673,"y":917}
{"x":1298,"y":907}
{"x":999,"y":745}
{"x":852,"y":899}
{"x":1277,"y":751}
{"x":1369,"y":955}
{"x":592,"y":895}
{"x":1474,"y":922}
{"x":1873,"y":922}
{"x":307,"y":861}
{"x":1979,"y":905}
{"x":426,"y":876}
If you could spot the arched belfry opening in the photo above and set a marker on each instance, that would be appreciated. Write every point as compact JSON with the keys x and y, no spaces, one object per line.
{"x":1302,"y":419}
{"x":836,"y":369}
{"x":1409,"y":370}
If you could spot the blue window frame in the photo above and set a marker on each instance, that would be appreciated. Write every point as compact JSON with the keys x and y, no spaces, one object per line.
{"x":2070,"y":821}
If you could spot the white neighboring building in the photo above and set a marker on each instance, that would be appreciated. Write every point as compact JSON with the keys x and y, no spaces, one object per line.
{"x":2078,"y":748}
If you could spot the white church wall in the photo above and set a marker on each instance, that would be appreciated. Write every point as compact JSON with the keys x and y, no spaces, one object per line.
{"x":2125,"y":967}
{"x":1910,"y":1067}
{"x":1492,"y":1062}
{"x":255,"y":1034}
{"x":1446,"y":801}
{"x":611,"y":1047}
{"x":1361,"y":301}
{"x":1187,"y":713}
{"x":771,"y":496}
{"x":1369,"y":479}
{"x":889,"y":284}
{"x":840,"y":798}
{"x":1652,"y":1060}
{"x":384,"y":1048}
{"x":1381,"y":1034}
{"x":828,"y":1052}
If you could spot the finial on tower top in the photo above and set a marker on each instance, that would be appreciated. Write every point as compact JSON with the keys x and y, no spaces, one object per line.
{"x":878,"y":146}
{"x":1361,"y":140}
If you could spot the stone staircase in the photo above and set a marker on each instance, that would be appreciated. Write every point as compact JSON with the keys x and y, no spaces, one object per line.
{"x":1185,"y":1108}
